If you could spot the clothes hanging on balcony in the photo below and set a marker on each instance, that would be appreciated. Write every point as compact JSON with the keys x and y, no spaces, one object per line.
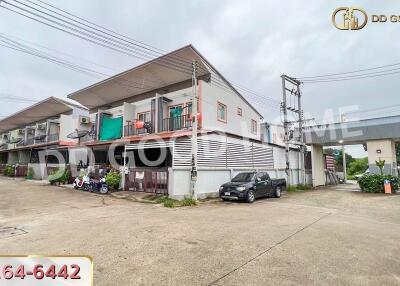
{"x":111,"y":128}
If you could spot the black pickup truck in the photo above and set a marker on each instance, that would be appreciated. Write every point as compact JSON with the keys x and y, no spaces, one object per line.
{"x":251,"y":185}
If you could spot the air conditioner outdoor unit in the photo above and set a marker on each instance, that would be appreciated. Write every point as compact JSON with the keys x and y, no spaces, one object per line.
{"x":21,"y":131}
{"x":84,"y":120}
{"x":41,"y":126}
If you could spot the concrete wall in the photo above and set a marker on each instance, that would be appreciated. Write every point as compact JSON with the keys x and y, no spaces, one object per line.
{"x":38,"y":170}
{"x":67,"y":125}
{"x":382,"y":150}
{"x":318,"y":166}
{"x":209,"y":180}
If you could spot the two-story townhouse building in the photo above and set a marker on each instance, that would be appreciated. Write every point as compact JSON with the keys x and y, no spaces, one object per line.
{"x":147,"y":112}
{"x":44,"y":126}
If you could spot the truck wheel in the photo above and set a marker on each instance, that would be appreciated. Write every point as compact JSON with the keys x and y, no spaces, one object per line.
{"x":278,"y":191}
{"x":250,"y":197}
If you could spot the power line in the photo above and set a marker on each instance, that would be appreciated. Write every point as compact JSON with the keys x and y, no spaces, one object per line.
{"x":349,"y":72}
{"x":351,"y":78}
{"x":94,"y":39}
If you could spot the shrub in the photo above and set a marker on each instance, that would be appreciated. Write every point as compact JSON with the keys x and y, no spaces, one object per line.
{"x":374,"y":183}
{"x":113,"y":179}
{"x":60,"y":175}
{"x":169,"y":203}
{"x":9,"y":171}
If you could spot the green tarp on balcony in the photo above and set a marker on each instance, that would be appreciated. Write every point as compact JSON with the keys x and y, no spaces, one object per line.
{"x":111,"y":128}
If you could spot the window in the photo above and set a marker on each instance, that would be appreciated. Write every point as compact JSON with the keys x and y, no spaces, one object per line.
{"x":144,"y":116}
{"x":239,"y":111}
{"x":253,"y":126}
{"x":260,"y":176}
{"x":221,"y":112}
{"x":175,"y":110}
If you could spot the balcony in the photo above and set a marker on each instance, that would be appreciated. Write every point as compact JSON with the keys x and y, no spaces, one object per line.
{"x":167,"y":124}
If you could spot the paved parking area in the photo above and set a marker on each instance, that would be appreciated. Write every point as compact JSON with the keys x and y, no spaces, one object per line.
{"x":324,"y":237}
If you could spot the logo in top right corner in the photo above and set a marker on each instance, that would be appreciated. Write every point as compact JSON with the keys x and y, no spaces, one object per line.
{"x":356,"y":18}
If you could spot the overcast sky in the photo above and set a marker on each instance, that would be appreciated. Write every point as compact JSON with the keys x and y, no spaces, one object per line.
{"x":250,"y":42}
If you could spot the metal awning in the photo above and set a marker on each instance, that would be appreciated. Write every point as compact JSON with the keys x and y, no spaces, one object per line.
{"x":157,"y":74}
{"x":166,"y":70}
{"x":44,"y":109}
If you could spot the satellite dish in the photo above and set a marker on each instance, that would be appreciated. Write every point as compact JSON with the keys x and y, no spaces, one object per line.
{"x":15,"y":140}
{"x":40,"y":137}
{"x":78,"y":134}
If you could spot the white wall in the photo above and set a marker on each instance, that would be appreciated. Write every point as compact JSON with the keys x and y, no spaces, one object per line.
{"x":68,"y":124}
{"x":239,"y":125}
{"x":318,"y":167}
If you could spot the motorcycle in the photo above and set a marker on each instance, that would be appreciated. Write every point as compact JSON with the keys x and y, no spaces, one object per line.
{"x":82,"y":183}
{"x":99,"y":186}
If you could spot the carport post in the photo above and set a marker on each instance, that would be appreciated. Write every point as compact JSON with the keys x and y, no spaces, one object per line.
{"x":344,"y":165}
{"x":317,"y":163}
{"x":123,"y":177}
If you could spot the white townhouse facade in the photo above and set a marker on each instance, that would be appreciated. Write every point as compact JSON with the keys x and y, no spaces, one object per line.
{"x":44,"y":126}
{"x":148,"y":110}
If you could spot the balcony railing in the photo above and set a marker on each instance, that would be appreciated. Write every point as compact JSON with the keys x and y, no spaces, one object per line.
{"x":131,"y":130}
{"x":30,"y":141}
{"x":53,"y":137}
{"x":167,"y":124}
{"x":176,"y":123}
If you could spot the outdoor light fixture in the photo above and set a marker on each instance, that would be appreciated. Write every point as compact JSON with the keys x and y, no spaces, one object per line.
{"x":379,"y":151}
{"x":341,"y":141}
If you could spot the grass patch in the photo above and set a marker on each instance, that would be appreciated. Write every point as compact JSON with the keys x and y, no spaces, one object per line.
{"x":188,"y":201}
{"x":299,"y":188}
{"x":170,"y":203}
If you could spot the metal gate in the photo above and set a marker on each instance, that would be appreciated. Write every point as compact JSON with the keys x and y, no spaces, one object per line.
{"x":145,"y":180}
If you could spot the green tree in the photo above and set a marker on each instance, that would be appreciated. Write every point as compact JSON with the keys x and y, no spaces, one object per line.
{"x":358,"y":166}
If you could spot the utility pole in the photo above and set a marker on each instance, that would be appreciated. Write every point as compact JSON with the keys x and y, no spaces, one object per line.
{"x":286,"y":107}
{"x":286,"y":128}
{"x":302,"y":149}
{"x":193,"y":173}
{"x":343,"y":119}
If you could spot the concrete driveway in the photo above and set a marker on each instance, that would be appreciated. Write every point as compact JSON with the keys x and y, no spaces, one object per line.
{"x":324,"y":237}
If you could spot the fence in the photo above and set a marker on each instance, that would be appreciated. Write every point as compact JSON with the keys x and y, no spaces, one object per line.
{"x":21,"y":171}
{"x":148,"y":181}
